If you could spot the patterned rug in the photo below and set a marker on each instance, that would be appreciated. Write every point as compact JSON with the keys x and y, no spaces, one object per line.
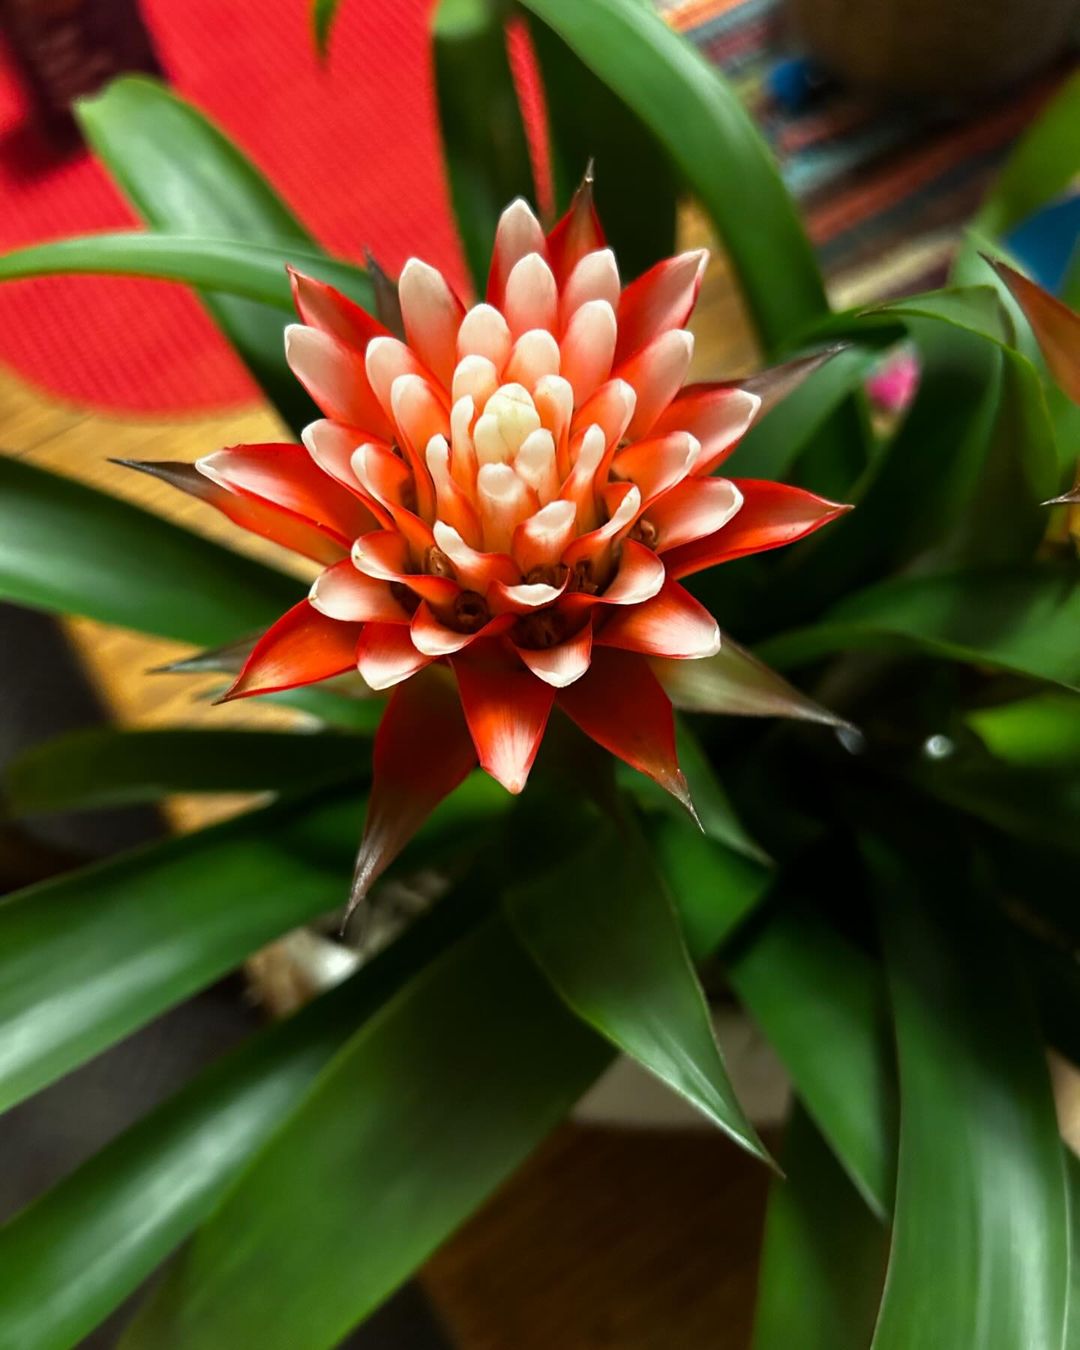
{"x":354,"y":148}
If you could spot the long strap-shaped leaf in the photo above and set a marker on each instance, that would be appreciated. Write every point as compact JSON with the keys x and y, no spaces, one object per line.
{"x":427,"y":1109}
{"x":1041,"y":166}
{"x":181,"y":173}
{"x":80,"y":1249}
{"x":227,"y":266}
{"x":980,"y":1249}
{"x":713,"y":142}
{"x":823,"y":1256}
{"x":70,"y":549}
{"x":604,"y":931}
{"x":87,"y":958}
{"x":100,"y":766}
{"x":91,"y":956}
{"x":487,"y":156}
{"x":821,"y":1004}
{"x":1023,"y":619}
{"x":587,"y":120}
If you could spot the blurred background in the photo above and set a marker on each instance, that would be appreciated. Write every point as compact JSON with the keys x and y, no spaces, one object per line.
{"x":888,"y":117}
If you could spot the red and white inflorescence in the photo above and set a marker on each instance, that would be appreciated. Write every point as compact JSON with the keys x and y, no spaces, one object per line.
{"x":513,"y":491}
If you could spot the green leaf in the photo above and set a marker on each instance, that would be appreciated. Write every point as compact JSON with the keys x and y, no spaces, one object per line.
{"x":1039,"y":732}
{"x":603,"y":929}
{"x":822,"y":1006}
{"x":91,"y":956}
{"x":980,"y":1239}
{"x":716,"y":816}
{"x":1072,"y":1330}
{"x":919,"y":483}
{"x":74,"y":1254}
{"x":734,"y":683}
{"x":1036,"y":803}
{"x":714,"y":887}
{"x":1023,"y":619}
{"x":70,"y":549}
{"x":588,"y":121}
{"x":1004,"y":519}
{"x":773,"y":445}
{"x":322,"y":20}
{"x":183,"y":175}
{"x":427,"y":1109}
{"x":228,"y":266}
{"x":823,"y":1257}
{"x":713,"y":144}
{"x":483,"y":137}
{"x":1040,"y":167}
{"x":100,"y":766}
{"x":974,"y":308}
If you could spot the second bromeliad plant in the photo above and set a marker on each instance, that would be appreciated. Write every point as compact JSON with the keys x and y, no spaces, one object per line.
{"x":890,"y":904}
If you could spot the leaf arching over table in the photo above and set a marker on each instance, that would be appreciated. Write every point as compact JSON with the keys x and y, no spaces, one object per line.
{"x":68,"y":548}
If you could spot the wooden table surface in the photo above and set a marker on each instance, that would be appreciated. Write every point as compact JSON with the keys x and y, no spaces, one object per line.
{"x":627,"y":1240}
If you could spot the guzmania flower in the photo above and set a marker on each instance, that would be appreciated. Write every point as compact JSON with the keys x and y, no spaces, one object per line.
{"x":506,"y":500}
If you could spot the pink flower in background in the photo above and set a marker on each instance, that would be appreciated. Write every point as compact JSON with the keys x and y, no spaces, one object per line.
{"x":892,"y":387}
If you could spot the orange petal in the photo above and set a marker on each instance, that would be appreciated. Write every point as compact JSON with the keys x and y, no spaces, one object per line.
{"x":716,"y":415}
{"x":345,"y":594}
{"x":695,"y":508}
{"x":336,"y":378}
{"x":622,"y":706}
{"x":385,"y":655}
{"x":517,"y":234}
{"x":302,"y":647}
{"x":388,"y":480}
{"x":287,"y":476}
{"x":506,"y":709}
{"x":671,"y":624}
{"x":541,"y":540}
{"x":596,"y":277}
{"x":321,"y":306}
{"x":525,"y":598}
{"x":434,"y":638}
{"x":388,"y":358}
{"x":623,"y":502}
{"x":656,"y":373}
{"x":384,"y":555}
{"x":331,"y":446}
{"x":610,"y":408}
{"x":639,"y":577}
{"x":422,"y":752}
{"x":772,"y":514}
{"x":1056,"y":327}
{"x":657,"y":465}
{"x":588,"y":346}
{"x":475,"y":570}
{"x":577,"y":233}
{"x":432,"y":314}
{"x":418,"y":415}
{"x":660,"y":299}
{"x":250,"y":513}
{"x":565,"y":662}
{"x":532,"y":298}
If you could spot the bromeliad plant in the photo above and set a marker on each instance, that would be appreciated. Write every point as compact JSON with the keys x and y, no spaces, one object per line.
{"x":513,"y":491}
{"x":517,"y":513}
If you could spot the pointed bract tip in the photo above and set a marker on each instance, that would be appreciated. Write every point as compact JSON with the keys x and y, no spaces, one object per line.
{"x":387,"y":300}
{"x":675,"y":783}
{"x":1066,"y":499}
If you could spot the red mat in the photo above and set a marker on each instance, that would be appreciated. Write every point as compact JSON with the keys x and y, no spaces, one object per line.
{"x":352,"y":147}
